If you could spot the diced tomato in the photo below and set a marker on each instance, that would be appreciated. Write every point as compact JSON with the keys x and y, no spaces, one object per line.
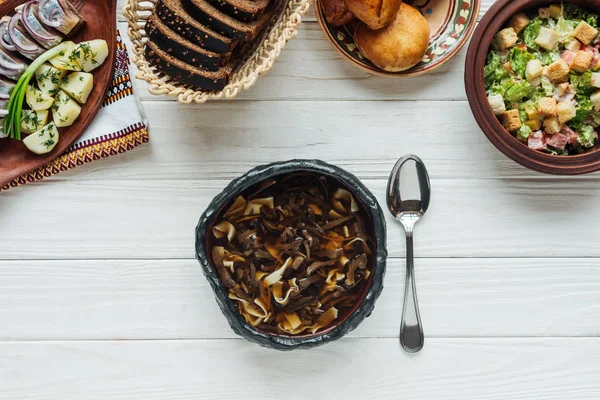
{"x":509,"y":68}
{"x":568,"y":56}
{"x":537,"y":141}
{"x":595,"y":54}
{"x":522,"y":46}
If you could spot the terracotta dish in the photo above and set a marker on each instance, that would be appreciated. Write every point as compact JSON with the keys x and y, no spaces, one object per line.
{"x":374,"y":223}
{"x":100,"y":17}
{"x":451,"y":23}
{"x":490,"y":24}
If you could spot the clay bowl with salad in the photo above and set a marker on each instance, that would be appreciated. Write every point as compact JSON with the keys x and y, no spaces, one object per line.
{"x":295,"y":253}
{"x":56,"y":63}
{"x":532,"y":78}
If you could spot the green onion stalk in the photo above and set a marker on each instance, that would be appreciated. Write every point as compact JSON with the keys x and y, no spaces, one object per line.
{"x":12,"y":122}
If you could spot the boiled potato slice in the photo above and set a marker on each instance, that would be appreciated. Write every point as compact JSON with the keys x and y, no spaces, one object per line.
{"x":65,"y":110}
{"x":33,"y":121}
{"x":42,"y":141}
{"x":90,"y":55}
{"x":78,"y":85}
{"x":37,"y":99}
{"x":49,"y":78}
{"x":66,"y":60}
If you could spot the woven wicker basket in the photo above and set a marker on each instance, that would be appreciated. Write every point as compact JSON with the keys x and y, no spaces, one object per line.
{"x":258,"y":62}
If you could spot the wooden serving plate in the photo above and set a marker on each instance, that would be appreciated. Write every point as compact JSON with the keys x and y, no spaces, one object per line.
{"x":101,"y":23}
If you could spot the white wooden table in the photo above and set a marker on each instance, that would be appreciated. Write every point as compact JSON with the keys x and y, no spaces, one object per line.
{"x":101,"y":297}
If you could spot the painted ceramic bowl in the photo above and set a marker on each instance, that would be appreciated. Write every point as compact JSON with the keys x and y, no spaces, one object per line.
{"x":372,"y":288}
{"x":490,"y":24}
{"x":451,"y":23}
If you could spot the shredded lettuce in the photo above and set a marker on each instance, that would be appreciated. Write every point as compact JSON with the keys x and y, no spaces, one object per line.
{"x":594,"y":117}
{"x":582,"y":82}
{"x":547,"y":57}
{"x":518,"y":91}
{"x":572,"y":11}
{"x":519,"y":59}
{"x":546,"y":86}
{"x":565,"y":28}
{"x":587,"y":136}
{"x":531,"y":32}
{"x":523,"y":133}
{"x":494,"y":70}
{"x":584,"y":106}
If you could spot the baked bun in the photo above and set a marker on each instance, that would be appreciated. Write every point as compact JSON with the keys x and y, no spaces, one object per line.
{"x":400,"y":45}
{"x":336,"y":12}
{"x":375,"y":13}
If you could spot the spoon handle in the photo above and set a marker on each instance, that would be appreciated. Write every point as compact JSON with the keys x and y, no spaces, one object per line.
{"x":411,"y":330}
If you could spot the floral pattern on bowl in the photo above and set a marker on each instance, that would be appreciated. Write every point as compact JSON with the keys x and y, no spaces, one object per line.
{"x":451,"y":23}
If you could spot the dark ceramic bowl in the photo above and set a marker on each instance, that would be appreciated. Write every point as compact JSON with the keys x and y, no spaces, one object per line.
{"x":490,"y":24}
{"x":371,"y":292}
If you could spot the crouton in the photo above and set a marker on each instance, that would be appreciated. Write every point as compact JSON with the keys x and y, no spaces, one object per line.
{"x":573,"y":46}
{"x":544,"y":13}
{"x":511,"y":120}
{"x":555,"y":10}
{"x":595,"y":98}
{"x":534,"y":124}
{"x":558,"y":70}
{"x":585,"y":32}
{"x":547,"y":107}
{"x":562,"y":88}
{"x":505,"y":39}
{"x":547,"y":38}
{"x":497,"y":103}
{"x":581,"y":62}
{"x":534,"y":69}
{"x":596,"y":79}
{"x":518,"y":22}
{"x":566,"y":111}
{"x":552,"y":125}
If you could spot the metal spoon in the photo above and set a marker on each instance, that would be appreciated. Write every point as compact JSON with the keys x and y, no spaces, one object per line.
{"x":408,"y":212}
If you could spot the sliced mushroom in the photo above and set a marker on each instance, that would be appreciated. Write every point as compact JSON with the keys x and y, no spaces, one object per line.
{"x":337,"y":222}
{"x":319,"y":264}
{"x":358,"y":262}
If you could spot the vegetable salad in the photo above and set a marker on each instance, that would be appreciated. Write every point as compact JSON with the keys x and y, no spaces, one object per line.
{"x":542,"y":78}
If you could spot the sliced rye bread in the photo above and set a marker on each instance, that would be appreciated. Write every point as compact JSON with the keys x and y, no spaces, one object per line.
{"x":181,"y":48}
{"x":208,"y":14}
{"x":173,"y":14}
{"x":185,"y":73}
{"x":243,"y":10}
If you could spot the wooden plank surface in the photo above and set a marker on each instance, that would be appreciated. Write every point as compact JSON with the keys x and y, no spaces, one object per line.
{"x":101,"y":297}
{"x":461,"y":369}
{"x":156,"y":219}
{"x":171,"y":299}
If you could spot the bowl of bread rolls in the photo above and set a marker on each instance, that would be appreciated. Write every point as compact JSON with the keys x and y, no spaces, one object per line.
{"x":397,"y":38}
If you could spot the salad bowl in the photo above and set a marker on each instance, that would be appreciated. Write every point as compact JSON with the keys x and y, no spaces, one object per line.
{"x":491,"y":23}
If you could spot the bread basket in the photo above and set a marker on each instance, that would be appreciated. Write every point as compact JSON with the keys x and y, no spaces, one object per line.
{"x":257,"y":62}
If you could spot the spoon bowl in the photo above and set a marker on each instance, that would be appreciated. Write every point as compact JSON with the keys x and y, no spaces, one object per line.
{"x":409,"y":212}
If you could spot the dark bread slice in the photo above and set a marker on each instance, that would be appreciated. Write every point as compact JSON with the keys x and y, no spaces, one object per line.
{"x":184,"y":73}
{"x":243,"y":10}
{"x":181,"y":48}
{"x":209,"y":15}
{"x":173,"y":14}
